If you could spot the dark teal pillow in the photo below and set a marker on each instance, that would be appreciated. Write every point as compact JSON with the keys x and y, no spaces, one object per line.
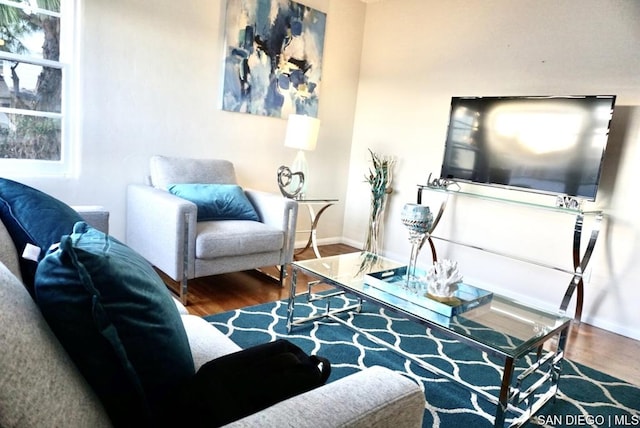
{"x":116,"y":319}
{"x":33,"y":217}
{"x":217,"y":201}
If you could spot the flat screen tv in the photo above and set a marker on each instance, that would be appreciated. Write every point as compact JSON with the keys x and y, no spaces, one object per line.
{"x":553,"y":145}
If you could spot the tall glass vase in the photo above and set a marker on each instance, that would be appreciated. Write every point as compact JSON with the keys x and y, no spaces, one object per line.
{"x":375,"y":229}
{"x":379,"y":178}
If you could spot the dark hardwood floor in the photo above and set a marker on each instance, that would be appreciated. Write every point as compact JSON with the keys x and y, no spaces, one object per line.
{"x":596,"y":348}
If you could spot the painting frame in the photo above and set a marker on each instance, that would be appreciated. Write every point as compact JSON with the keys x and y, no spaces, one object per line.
{"x":273,"y":58}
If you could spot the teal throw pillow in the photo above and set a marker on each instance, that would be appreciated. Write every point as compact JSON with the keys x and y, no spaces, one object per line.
{"x":33,"y":217}
{"x":116,"y":319}
{"x":217,"y":201}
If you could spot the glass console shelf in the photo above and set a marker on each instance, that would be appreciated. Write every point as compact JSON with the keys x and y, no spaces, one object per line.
{"x":580,"y":260}
{"x":530,"y":204}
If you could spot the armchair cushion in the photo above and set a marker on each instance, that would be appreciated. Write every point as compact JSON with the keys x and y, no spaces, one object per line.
{"x":236,"y":237}
{"x":217,"y":201}
{"x":116,"y":319}
{"x":33,"y":217}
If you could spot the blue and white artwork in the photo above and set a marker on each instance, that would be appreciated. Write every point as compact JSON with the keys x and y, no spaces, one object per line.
{"x":273,"y":58}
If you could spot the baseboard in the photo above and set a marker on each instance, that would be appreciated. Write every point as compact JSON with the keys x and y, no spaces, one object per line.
{"x":322,"y":241}
{"x":351,"y":242}
{"x":626,"y":331}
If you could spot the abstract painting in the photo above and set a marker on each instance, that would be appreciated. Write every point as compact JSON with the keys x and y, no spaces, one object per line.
{"x":273,"y":58}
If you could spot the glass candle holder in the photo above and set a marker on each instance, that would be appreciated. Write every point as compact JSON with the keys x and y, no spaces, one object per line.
{"x":418,"y":220}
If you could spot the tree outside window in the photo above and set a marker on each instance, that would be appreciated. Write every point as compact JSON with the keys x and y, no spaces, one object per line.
{"x":31,"y":80}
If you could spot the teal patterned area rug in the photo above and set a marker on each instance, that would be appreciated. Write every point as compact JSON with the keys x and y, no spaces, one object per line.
{"x":587,"y":397}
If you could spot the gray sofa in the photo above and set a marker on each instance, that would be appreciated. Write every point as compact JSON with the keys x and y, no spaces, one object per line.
{"x":40,"y":386}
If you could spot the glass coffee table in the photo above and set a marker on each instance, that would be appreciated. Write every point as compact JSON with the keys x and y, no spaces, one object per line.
{"x":530,"y":331}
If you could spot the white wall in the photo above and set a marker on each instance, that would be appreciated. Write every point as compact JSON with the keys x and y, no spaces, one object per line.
{"x":419,"y":53}
{"x":150,"y":80}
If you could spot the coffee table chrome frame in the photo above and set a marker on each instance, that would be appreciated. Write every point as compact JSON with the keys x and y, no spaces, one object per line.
{"x":511,"y":393}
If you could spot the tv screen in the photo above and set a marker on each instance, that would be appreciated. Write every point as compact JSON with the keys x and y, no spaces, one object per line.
{"x":551,"y":145}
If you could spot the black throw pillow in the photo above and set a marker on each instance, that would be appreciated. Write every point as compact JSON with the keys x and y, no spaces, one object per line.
{"x":240,"y":384}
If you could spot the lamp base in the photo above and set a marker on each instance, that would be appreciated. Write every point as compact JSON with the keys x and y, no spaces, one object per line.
{"x":299,"y":165}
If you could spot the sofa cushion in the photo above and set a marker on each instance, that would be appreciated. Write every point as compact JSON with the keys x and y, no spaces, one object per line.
{"x":116,"y":319}
{"x":236,"y":237}
{"x":39,"y":384}
{"x":217,"y":201}
{"x":207,"y":342}
{"x":33,"y":217}
{"x":8,"y":254}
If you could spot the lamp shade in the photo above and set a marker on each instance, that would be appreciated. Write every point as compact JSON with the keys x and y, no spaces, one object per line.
{"x":302,"y":132}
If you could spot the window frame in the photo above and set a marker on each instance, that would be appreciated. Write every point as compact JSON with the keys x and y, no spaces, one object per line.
{"x":68,"y":64}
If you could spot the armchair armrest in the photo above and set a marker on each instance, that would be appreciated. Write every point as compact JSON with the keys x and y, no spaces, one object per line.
{"x":95,"y":215}
{"x":375,"y":397}
{"x":279,"y":212}
{"x":157,"y":228}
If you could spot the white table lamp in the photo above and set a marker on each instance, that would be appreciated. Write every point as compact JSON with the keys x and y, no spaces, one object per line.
{"x":302,"y":134}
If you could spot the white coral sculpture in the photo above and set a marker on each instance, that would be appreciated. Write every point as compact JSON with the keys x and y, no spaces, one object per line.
{"x":443,"y":278}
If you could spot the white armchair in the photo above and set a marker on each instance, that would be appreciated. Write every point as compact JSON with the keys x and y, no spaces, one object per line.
{"x":164,"y":227}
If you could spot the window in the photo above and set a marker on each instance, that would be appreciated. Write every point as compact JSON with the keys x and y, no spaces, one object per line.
{"x":35,"y":68}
